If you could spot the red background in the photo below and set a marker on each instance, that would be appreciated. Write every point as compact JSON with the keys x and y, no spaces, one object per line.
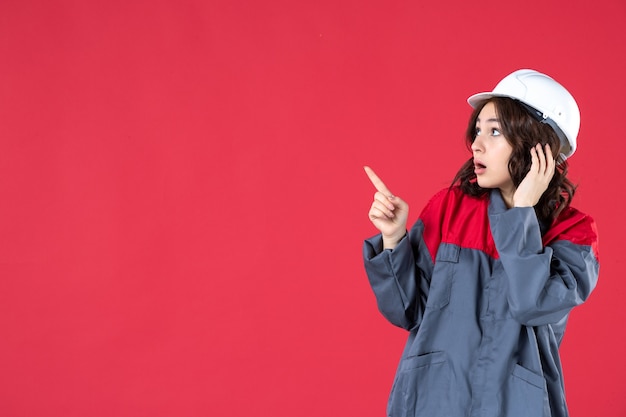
{"x":183,"y":201}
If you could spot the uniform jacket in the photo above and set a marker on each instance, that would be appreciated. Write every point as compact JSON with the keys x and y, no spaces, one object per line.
{"x":485,"y":296}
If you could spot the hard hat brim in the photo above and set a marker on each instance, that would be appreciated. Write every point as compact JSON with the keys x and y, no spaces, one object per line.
{"x":477,"y":98}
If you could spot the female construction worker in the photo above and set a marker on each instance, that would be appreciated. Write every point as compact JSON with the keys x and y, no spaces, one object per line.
{"x":486,"y":278}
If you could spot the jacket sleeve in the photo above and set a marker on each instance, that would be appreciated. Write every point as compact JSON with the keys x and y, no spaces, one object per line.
{"x":545,"y":281}
{"x":400,"y":278}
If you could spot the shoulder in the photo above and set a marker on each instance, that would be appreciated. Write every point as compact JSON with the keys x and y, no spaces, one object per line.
{"x":453,"y":200}
{"x":453,"y":217}
{"x":574,"y":226}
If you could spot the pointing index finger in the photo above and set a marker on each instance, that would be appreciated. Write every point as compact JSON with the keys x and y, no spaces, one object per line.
{"x":380,"y":186}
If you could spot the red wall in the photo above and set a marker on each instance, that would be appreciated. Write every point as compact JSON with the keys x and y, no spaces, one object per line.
{"x":183,"y":201}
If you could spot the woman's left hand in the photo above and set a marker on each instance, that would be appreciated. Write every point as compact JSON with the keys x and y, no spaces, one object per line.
{"x":538,"y":178}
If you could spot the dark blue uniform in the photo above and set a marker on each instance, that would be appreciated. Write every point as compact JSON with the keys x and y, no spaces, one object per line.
{"x":485,"y":296}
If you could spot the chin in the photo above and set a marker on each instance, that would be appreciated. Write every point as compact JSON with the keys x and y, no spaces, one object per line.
{"x":484,"y":184}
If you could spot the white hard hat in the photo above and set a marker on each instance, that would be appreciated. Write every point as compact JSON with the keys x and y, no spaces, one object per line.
{"x":550,"y":103}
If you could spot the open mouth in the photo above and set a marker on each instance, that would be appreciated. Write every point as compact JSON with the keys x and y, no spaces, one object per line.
{"x":479,"y":168}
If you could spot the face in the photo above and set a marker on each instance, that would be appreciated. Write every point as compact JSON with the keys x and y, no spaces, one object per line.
{"x":491,"y":152}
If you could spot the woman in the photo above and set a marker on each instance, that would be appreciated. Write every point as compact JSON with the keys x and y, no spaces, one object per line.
{"x":486,"y":278}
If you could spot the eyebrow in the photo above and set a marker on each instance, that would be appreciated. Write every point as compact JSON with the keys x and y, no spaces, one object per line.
{"x":493,"y":119}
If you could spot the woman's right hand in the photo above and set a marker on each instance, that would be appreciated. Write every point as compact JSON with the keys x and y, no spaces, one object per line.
{"x":388,"y":213}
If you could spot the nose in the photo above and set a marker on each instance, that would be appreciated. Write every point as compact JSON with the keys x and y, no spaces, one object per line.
{"x":477,"y":145}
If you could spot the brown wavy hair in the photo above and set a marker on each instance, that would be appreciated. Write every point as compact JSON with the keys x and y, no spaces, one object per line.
{"x":523,"y":131}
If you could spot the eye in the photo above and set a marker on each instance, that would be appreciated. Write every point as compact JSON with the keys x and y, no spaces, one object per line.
{"x":476,"y":132}
{"x":495,"y":132}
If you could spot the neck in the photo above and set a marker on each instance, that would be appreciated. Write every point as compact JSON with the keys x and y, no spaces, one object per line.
{"x":507,"y":196}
